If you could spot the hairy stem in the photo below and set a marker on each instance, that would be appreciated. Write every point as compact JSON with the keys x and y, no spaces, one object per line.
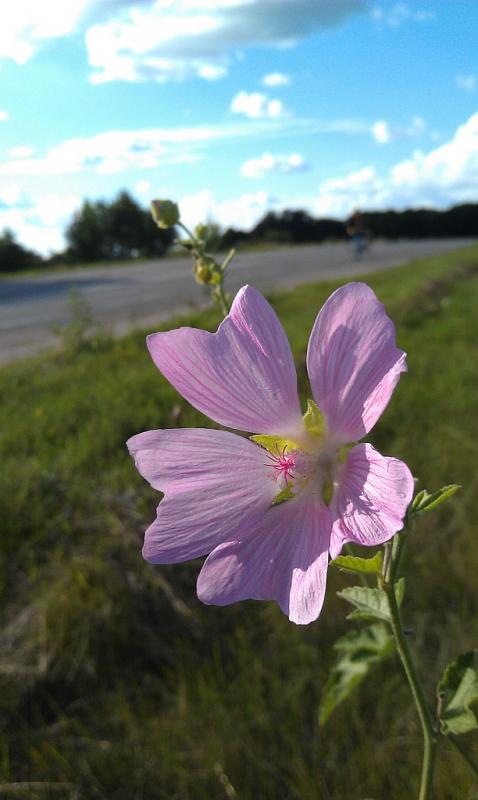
{"x":426,"y":721}
{"x":187,"y":231}
{"x":228,"y":259}
{"x":221,"y":299}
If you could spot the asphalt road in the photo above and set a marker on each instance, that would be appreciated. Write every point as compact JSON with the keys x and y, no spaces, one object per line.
{"x":141,"y":294}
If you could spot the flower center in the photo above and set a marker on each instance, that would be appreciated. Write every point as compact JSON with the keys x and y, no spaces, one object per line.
{"x":295,"y":469}
{"x":312,"y":461}
{"x":283,"y":463}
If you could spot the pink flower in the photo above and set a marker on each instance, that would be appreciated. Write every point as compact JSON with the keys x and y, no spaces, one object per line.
{"x":223,"y":492}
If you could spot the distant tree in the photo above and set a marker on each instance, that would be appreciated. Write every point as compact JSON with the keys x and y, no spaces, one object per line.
{"x":296,"y":227}
{"x":231,"y":238}
{"x":86,"y":233}
{"x":13,"y":256}
{"x":423,"y":223}
{"x":116,"y":230}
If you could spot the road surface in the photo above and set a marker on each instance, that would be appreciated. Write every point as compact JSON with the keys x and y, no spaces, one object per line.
{"x":142,"y":294}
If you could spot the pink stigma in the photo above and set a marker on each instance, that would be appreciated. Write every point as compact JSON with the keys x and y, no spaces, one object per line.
{"x":283,"y":464}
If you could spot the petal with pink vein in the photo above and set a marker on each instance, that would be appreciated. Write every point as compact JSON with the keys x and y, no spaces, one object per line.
{"x":217,"y":485}
{"x":370,"y":502}
{"x":284,"y":559}
{"x":353,"y":362}
{"x":243,"y":376}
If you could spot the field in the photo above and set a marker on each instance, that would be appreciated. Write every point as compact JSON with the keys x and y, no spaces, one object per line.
{"x":115,"y":682}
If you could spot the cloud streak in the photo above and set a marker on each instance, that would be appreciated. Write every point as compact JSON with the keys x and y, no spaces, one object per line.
{"x":115,"y":151}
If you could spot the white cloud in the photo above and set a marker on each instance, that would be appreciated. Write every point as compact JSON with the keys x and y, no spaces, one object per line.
{"x":238,"y":212}
{"x":173,"y":40}
{"x":384,"y":133}
{"x":21,"y":151}
{"x":256,"y":105}
{"x":441,"y":177}
{"x":142,"y":187}
{"x":275,"y":79}
{"x":10,"y":196}
{"x":338,"y":196}
{"x":273,"y":165}
{"x":211,"y":72}
{"x":466,"y":82}
{"x":38,"y":220}
{"x":4,"y":115}
{"x":135,"y":40}
{"x":381,"y":132}
{"x":447,"y":173}
{"x":398,"y":14}
{"x":113,"y":152}
{"x":26,"y":22}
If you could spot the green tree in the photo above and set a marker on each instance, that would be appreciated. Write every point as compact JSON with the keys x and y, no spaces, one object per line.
{"x":86,"y":233}
{"x":13,"y":256}
{"x":118,"y":229}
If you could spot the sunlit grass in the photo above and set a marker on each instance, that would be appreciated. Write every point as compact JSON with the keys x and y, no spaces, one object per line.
{"x":116,"y":682}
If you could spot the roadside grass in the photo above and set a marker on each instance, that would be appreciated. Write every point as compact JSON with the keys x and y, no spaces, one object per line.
{"x":115,"y":682}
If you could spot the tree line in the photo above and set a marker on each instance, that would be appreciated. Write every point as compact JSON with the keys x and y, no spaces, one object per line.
{"x":122,"y":229}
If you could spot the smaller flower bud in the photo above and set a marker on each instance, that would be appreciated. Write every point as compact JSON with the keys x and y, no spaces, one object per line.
{"x":202,"y":271}
{"x":165,"y":213}
{"x":201,"y":231}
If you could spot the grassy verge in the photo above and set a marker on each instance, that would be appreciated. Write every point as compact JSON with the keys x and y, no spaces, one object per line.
{"x":116,"y":683}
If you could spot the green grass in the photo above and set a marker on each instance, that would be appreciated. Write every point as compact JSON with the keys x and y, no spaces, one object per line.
{"x":115,"y":682}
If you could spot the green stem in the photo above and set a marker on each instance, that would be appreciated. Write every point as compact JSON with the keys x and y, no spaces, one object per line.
{"x":465,"y":754}
{"x":221,"y":298}
{"x":428,"y":730}
{"x":228,"y":260}
{"x":398,"y":545}
{"x":189,"y":233}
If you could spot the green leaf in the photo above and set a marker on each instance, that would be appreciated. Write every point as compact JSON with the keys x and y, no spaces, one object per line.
{"x":458,"y":689}
{"x":275,"y":444}
{"x":424,"y":501}
{"x":359,"y":565}
{"x":357,"y":652}
{"x":370,"y":603}
{"x":313,"y":420}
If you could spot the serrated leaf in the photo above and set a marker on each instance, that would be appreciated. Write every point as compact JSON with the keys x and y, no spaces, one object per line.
{"x":359,"y":565}
{"x":357,"y":651}
{"x":274,"y":444}
{"x":370,"y":603}
{"x":427,"y":502}
{"x":459,"y":690}
{"x":314,"y":420}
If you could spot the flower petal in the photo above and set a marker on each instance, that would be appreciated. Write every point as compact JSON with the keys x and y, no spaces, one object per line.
{"x":243,"y":376}
{"x":370,"y":502}
{"x":284,"y":559}
{"x":352,"y":361}
{"x":217,"y":485}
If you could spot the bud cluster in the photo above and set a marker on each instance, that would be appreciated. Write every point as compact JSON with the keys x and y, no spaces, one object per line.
{"x":206,"y":269}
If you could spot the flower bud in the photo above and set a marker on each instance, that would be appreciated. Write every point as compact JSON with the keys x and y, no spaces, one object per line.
{"x":203,"y":270}
{"x":165,"y":213}
{"x":201,"y":231}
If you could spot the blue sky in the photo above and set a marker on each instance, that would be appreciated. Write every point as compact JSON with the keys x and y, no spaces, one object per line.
{"x":234,"y":107}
